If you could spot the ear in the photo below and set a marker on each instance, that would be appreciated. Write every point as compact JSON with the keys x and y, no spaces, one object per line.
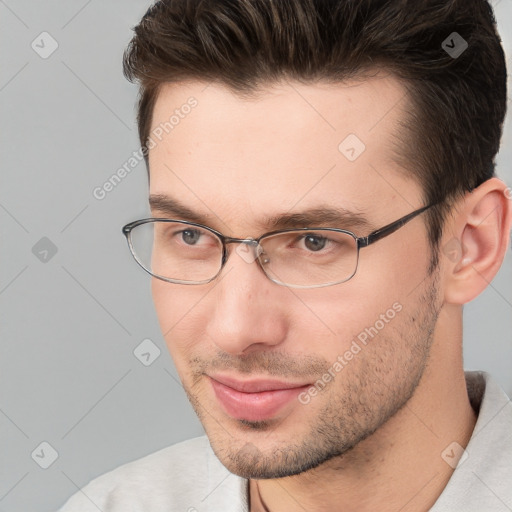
{"x":476,"y":241}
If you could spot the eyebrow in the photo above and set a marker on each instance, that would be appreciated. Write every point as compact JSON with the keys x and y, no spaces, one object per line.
{"x":171,"y":207}
{"x":320,"y":216}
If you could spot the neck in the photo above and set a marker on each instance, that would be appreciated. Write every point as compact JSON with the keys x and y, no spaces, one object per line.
{"x":404,"y":465}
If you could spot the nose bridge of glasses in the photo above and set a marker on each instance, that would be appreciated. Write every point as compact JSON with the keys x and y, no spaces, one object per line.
{"x":248,"y":241}
{"x":249,"y":249}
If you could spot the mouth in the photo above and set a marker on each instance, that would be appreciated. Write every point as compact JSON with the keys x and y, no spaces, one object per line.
{"x":255,"y":399}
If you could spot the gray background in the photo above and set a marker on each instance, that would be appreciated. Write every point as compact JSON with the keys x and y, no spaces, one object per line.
{"x":71,"y":322}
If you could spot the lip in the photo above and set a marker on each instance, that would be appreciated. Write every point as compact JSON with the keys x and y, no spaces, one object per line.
{"x":255,"y":399}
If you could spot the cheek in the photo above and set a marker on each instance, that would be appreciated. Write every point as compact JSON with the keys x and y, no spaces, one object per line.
{"x":393,"y":267}
{"x":179,"y":312}
{"x":164,"y":302}
{"x":340,"y":314}
{"x":381,"y":288}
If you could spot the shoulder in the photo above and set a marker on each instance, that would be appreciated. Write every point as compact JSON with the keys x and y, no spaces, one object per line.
{"x":173,"y":476}
{"x":481,"y":480}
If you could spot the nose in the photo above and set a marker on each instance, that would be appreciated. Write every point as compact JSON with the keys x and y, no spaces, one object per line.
{"x":249,"y":310}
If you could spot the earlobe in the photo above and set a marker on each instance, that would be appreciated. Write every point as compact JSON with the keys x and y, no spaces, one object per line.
{"x":479,"y":241}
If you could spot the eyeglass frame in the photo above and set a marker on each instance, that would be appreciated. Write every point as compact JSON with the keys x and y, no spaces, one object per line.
{"x":361,"y":242}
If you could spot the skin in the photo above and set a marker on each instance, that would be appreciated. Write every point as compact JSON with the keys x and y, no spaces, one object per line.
{"x":373,"y":438}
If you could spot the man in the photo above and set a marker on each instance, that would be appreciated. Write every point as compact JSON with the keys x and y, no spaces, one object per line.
{"x":323,"y":204}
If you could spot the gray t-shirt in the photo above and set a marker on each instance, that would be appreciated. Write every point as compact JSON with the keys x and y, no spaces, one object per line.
{"x":188,"y":477}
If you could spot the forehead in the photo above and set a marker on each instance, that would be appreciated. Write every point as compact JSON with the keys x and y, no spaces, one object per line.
{"x":291,"y":146}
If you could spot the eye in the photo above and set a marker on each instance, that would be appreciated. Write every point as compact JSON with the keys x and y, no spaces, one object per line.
{"x":190,"y":236}
{"x":314,"y":242}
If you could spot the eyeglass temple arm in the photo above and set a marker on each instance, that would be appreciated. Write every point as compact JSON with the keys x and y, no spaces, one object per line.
{"x":390,"y":228}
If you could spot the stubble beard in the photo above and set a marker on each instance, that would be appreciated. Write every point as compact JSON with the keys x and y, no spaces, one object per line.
{"x":369,"y":391}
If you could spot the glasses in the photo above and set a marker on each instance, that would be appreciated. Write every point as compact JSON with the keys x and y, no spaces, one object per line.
{"x":184,"y":252}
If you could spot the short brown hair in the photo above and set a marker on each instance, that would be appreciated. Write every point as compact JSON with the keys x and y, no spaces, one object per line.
{"x":458,"y":103}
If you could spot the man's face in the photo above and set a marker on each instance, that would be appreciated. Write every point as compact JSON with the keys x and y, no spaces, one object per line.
{"x":249,"y":351}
